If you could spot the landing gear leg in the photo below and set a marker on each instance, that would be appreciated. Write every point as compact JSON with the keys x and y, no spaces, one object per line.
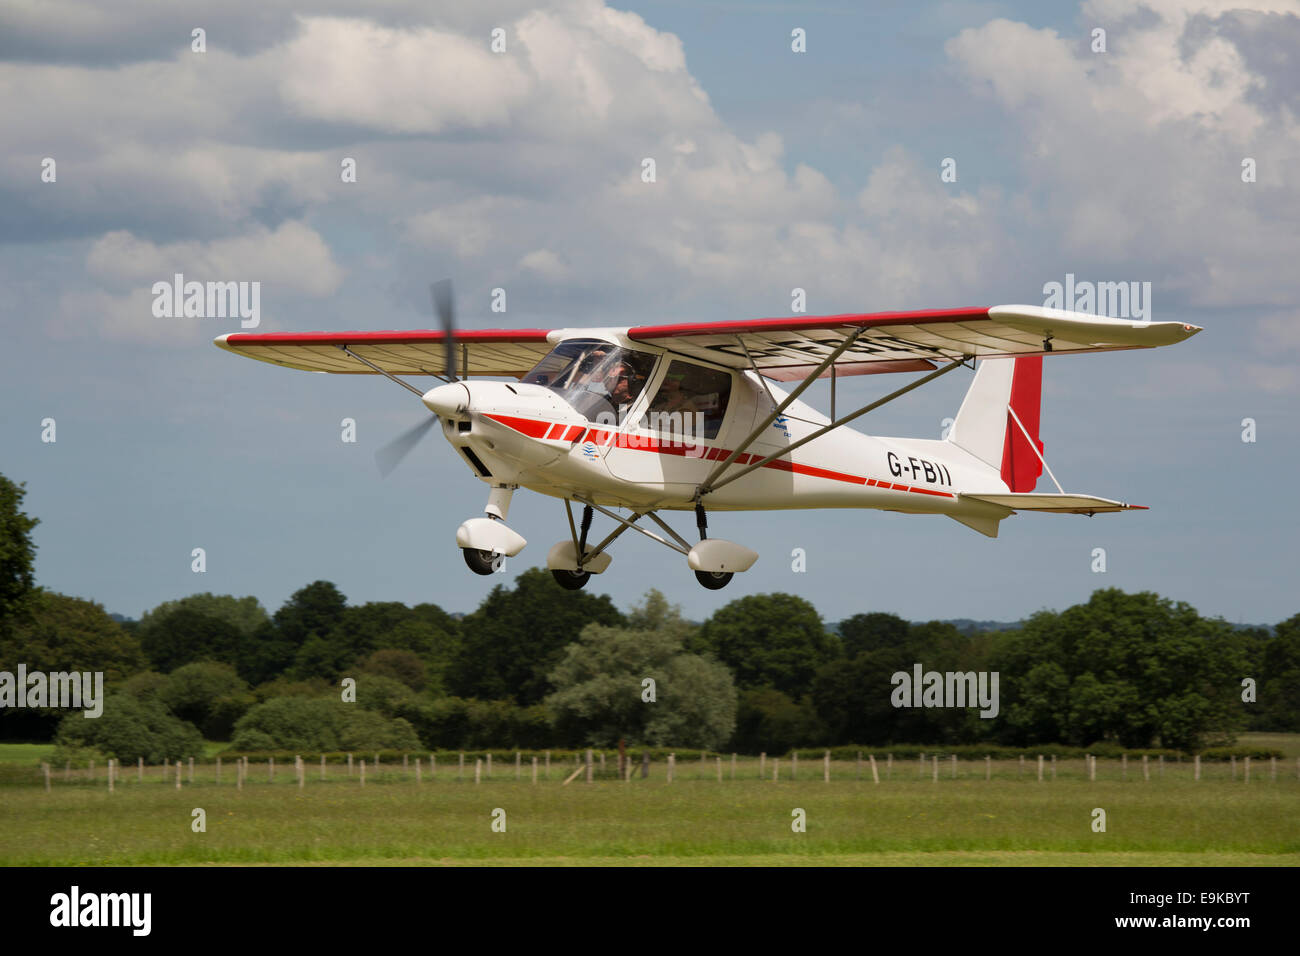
{"x":492,"y":530}
{"x":576,"y":580}
{"x":587,"y":513}
{"x":713,"y":580}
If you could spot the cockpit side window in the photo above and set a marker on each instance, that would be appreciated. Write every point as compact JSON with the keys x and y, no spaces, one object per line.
{"x":690,"y":394}
{"x":599,"y":379}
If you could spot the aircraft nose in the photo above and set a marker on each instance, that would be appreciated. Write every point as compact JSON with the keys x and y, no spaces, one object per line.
{"x":447,"y":400}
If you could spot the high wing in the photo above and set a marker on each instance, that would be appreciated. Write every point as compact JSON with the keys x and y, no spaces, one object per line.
{"x":419,"y":352}
{"x":783,"y":349}
{"x":790,"y":349}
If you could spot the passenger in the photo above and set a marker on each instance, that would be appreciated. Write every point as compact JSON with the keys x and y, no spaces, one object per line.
{"x":673,"y":397}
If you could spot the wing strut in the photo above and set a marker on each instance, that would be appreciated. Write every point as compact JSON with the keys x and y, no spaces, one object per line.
{"x":406,"y":385}
{"x":711,"y":485}
{"x":708,"y":484}
{"x":762,"y":381}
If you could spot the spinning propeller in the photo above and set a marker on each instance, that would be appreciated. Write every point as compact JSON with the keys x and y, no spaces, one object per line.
{"x":392,"y":454}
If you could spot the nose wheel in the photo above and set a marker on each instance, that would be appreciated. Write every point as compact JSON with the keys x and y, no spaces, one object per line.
{"x":482,"y":562}
{"x":714,"y":580}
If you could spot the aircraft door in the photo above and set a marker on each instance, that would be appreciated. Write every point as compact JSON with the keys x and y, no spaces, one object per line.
{"x":693,"y":407}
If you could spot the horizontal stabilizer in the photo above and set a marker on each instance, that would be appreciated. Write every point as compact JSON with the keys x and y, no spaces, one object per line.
{"x":1061,"y":504}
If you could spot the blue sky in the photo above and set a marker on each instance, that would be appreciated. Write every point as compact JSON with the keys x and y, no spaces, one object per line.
{"x":520,"y":170}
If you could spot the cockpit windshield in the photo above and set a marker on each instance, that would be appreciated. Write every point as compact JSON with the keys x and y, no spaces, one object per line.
{"x":599,"y":379}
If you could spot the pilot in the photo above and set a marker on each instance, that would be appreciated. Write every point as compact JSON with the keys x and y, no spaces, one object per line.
{"x":618,"y":384}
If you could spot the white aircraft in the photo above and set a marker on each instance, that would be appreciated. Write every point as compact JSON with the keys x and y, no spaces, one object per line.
{"x":685,"y":417}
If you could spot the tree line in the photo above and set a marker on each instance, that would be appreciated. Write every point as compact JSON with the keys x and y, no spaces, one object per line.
{"x":535,"y":666}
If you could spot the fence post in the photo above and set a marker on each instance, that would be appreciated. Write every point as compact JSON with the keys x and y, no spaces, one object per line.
{"x":1196,"y":767}
{"x":460,"y":768}
{"x":1160,"y":766}
{"x":1272,"y":768}
{"x":218,"y":768}
{"x":875,"y":774}
{"x":954,"y":766}
{"x":178,"y":774}
{"x":1021,"y":771}
{"x":363,"y":771}
{"x":1233,"y":758}
{"x":988,"y":766}
{"x":45,"y":769}
{"x":139,"y":770}
{"x":270,"y":769}
{"x":719,"y":760}
{"x":1040,"y":768}
{"x":1247,"y":778}
{"x":889,"y":766}
{"x":489,"y":765}
{"x":826,"y":767}
{"x":322,"y":766}
{"x":1053,"y":768}
{"x":405,"y":765}
{"x":419,"y":771}
{"x":301,"y":769}
{"x":645,"y":765}
{"x":191,"y":770}
{"x":349,"y":765}
{"x":1146,"y":768}
{"x":433,"y":767}
{"x":920,"y":767}
{"x":1123,"y":766}
{"x":239,"y":773}
{"x":776,"y":769}
{"x":110,"y":774}
{"x":762,"y":765}
{"x":588,"y":759}
{"x":518,"y":770}
{"x":672,"y":759}
{"x":934,"y":760}
{"x":733,"y":765}
{"x":534,"y":769}
{"x":794,"y":764}
{"x":478,"y":769}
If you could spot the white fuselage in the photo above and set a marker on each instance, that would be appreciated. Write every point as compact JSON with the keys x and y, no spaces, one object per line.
{"x":511,"y":433}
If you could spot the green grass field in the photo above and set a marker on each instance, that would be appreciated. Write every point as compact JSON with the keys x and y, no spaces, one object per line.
{"x":908,"y":819}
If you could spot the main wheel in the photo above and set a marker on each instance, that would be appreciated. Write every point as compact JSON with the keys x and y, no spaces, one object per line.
{"x":571,"y":580}
{"x":714,"y":580}
{"x":481,"y":562}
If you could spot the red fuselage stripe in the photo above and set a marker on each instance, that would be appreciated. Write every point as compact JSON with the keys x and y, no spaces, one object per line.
{"x":535,"y":428}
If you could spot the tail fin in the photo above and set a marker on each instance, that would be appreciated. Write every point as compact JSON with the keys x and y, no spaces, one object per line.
{"x":985,"y":425}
